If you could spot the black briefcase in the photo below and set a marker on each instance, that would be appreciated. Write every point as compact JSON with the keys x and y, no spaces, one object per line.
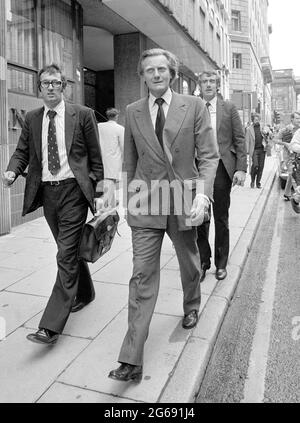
{"x":97,"y":236}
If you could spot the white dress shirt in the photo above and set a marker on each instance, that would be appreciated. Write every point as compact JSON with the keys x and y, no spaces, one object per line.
{"x":59,"y":119}
{"x":213,"y":114}
{"x":153,"y":107}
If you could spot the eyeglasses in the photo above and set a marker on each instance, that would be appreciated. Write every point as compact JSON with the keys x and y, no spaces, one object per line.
{"x":55,"y":84}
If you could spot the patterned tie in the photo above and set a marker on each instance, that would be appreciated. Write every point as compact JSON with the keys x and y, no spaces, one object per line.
{"x":208,"y":105}
{"x":160,"y":121}
{"x":53,"y":157}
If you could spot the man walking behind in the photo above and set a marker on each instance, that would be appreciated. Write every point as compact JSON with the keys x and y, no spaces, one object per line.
{"x":232,"y":167}
{"x":111,"y":136}
{"x":256,"y":141}
{"x":164,"y":133}
{"x":59,"y":144}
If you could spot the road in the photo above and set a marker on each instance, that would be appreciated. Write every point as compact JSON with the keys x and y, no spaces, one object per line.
{"x":256,"y":357}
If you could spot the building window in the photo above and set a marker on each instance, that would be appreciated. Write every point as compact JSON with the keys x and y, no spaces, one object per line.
{"x":236,"y":20}
{"x":40,"y":32}
{"x":236,"y":61}
{"x":202,"y":27}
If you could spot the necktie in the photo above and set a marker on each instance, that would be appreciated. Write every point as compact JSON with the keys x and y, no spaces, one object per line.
{"x":207,"y":105}
{"x":160,"y":121}
{"x":53,"y":157}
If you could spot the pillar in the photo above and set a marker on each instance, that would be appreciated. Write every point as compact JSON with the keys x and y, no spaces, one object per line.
{"x":5,"y":213}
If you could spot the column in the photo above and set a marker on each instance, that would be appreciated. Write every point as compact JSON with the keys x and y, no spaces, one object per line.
{"x":5,"y":213}
{"x":128,"y":86}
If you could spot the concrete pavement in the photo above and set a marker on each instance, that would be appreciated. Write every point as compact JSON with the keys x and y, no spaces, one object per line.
{"x":76,"y":368}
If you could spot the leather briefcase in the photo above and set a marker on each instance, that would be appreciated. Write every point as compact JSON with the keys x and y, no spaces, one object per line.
{"x":97,"y":236}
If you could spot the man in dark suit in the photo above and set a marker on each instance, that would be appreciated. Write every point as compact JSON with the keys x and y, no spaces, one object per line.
{"x":59,"y":143}
{"x":231,"y":170}
{"x":164,"y":133}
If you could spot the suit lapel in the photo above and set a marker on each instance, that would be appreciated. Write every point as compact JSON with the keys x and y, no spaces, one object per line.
{"x":220,"y":106}
{"x":70,"y":121}
{"x":37,"y":124}
{"x":175,"y":117}
{"x":145,"y":126}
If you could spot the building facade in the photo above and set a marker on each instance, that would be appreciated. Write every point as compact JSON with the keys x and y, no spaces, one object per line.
{"x":98,"y":44}
{"x":285,"y":91}
{"x":251,"y":71}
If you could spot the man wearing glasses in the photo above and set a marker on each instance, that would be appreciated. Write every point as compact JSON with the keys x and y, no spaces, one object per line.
{"x":59,"y":144}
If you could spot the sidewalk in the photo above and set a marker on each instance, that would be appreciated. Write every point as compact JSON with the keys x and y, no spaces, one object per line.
{"x":76,"y":368}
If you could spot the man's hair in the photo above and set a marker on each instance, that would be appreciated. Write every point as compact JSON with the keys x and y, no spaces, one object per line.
{"x":173,"y":62}
{"x":211,"y":73}
{"x":111,"y":112}
{"x":295,"y":113}
{"x":254,"y":115}
{"x":52,"y":69}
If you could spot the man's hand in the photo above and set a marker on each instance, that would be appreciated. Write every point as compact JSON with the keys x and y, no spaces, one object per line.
{"x":239,"y":178}
{"x":8,"y":178}
{"x":200,"y":205}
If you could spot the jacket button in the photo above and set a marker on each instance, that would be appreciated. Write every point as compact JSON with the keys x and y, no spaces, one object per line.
{"x":176,"y":150}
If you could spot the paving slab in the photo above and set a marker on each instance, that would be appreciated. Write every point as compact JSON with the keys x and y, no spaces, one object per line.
{"x":90,"y":321}
{"x":28,"y":369}
{"x":16,"y":309}
{"x":61,"y":393}
{"x":163,"y":347}
{"x":9,"y":277}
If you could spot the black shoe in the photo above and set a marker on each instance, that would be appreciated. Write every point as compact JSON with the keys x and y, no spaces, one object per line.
{"x":221,"y":274}
{"x":127,"y":372}
{"x":252,"y":185}
{"x":258,"y":185}
{"x":190,"y":320}
{"x":43,"y":336}
{"x":204,"y":268}
{"x":79,"y":304}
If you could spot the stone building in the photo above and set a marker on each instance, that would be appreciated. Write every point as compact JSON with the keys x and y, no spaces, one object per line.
{"x":285,"y":91}
{"x":251,"y":71}
{"x":98,"y":44}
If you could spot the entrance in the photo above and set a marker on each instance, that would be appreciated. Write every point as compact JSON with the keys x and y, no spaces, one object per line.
{"x":98,"y":62}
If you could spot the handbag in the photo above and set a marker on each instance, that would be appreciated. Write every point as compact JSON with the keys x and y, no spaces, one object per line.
{"x":97,"y":236}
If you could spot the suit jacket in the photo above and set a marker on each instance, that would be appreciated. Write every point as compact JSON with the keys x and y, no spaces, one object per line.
{"x":250,"y":142}
{"x":231,"y":138}
{"x":82,"y":145}
{"x":111,"y":136}
{"x":187,"y":136}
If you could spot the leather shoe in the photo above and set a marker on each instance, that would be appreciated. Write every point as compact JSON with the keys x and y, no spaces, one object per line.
{"x":127,"y":372}
{"x":258,"y":185}
{"x":190,"y":320}
{"x":79,"y":304}
{"x":221,"y":274}
{"x":43,"y":336}
{"x":204,"y":268}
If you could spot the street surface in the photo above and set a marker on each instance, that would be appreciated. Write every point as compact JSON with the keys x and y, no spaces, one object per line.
{"x":256,"y":358}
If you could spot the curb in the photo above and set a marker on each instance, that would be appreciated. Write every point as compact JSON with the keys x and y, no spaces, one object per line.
{"x":185,"y":381}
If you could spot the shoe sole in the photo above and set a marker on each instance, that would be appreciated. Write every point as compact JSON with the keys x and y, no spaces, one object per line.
{"x":39,"y":341}
{"x":135,"y":379}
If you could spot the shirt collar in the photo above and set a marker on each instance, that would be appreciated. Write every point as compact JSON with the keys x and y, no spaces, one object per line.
{"x":213,"y":102}
{"x":167,"y":96}
{"x":59,"y":109}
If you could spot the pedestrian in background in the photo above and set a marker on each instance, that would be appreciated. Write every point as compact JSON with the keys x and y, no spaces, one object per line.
{"x":59,"y":143}
{"x":256,"y":141}
{"x":111,"y":136}
{"x":232,"y":167}
{"x":164,"y":133}
{"x":284,"y":138}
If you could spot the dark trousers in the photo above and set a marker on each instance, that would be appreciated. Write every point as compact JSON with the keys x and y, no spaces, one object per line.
{"x":145,"y":280}
{"x":65,"y":209}
{"x":221,"y":204}
{"x":258,"y":162}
